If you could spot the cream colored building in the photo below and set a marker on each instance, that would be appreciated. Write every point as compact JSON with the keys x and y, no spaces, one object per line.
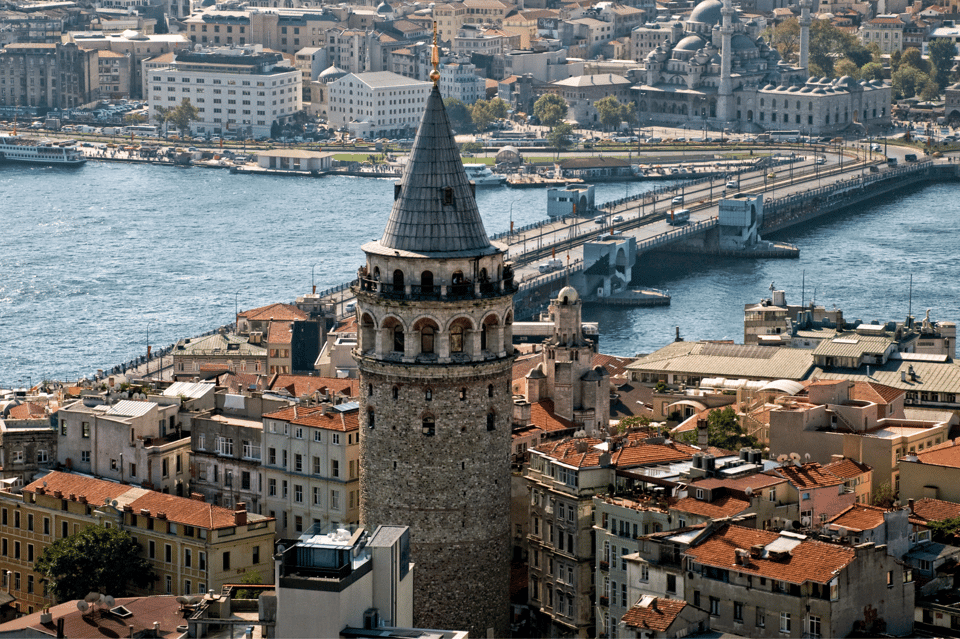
{"x":932,"y":473}
{"x":193,"y":546}
{"x":311,"y":467}
{"x":885,"y":31}
{"x":377,"y":104}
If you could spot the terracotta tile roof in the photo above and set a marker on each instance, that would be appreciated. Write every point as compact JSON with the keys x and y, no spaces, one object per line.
{"x":808,"y":561}
{"x":28,"y":410}
{"x":146,"y":610}
{"x":313,"y":416}
{"x":925,"y":510}
{"x":946,"y":454}
{"x":873,"y":392}
{"x":847,"y":468}
{"x":302,"y":385}
{"x":279,"y":312}
{"x":280,"y":333}
{"x":616,"y":366}
{"x":740,"y":484}
{"x":635,"y":453}
{"x":859,"y":517}
{"x":181,"y":510}
{"x":95,"y":490}
{"x":658,"y":615}
{"x":348,"y":325}
{"x":239,"y":382}
{"x":524,"y":364}
{"x":808,"y":476}
{"x":542,"y":416}
{"x":726,"y":506}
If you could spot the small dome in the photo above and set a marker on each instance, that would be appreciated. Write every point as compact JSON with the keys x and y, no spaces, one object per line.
{"x":568,"y":295}
{"x":383,"y":8}
{"x":690,"y":43}
{"x":741,"y":42}
{"x":536,"y":373}
{"x":707,"y":12}
{"x":131,"y":34}
{"x":332,"y":70}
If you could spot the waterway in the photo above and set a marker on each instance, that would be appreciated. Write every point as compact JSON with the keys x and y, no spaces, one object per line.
{"x":96,"y":262}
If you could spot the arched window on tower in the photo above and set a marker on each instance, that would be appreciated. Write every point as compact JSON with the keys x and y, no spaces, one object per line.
{"x":429,"y":426}
{"x":491,"y":421}
{"x":489,"y":390}
{"x":456,"y":339}
{"x":398,"y":281}
{"x":463,"y":394}
{"x":398,"y":338}
{"x":371,"y":422}
{"x":427,"y":335}
{"x":428,"y":394}
{"x":396,"y":392}
{"x":426,"y":283}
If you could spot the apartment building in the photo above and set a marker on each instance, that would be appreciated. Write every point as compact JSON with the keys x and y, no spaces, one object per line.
{"x":886,"y":31}
{"x":139,"y":46}
{"x":55,"y":75}
{"x":28,"y":443}
{"x":137,"y":442}
{"x":563,"y":478}
{"x":225,"y":466}
{"x":459,"y":80}
{"x":243,"y":90}
{"x":285,"y":30}
{"x":310,"y":466}
{"x":377,"y":104}
{"x":194,"y":546}
{"x":220,"y":352}
{"x":116,"y":75}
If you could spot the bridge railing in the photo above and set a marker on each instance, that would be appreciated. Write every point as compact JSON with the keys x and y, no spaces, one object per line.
{"x":677,"y":233}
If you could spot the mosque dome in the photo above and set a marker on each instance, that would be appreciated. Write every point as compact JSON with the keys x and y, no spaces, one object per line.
{"x":383,"y":8}
{"x":330,"y":74}
{"x":740,"y":42}
{"x":707,"y":12}
{"x":131,"y":34}
{"x":690,"y":43}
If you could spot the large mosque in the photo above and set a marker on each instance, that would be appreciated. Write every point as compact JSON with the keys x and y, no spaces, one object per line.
{"x":721,"y":74}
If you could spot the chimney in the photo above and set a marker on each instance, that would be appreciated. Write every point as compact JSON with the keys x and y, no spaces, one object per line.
{"x":521,"y":412}
{"x":240,"y":516}
{"x":60,"y":632}
{"x":703,"y":434}
{"x":145,"y":512}
{"x":836,"y":458}
{"x":197,"y":497}
{"x":130,"y":631}
{"x":82,"y":499}
{"x":911,"y":503}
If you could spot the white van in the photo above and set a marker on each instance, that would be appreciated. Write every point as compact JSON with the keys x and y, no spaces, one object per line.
{"x":678,"y":201}
{"x":732,"y":184}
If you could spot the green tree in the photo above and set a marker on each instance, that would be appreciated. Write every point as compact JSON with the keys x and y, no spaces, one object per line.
{"x":885,"y":496}
{"x":929,"y":91}
{"x":610,"y":110}
{"x":907,"y":81}
{"x":847,"y":66}
{"x":160,"y":115}
{"x":471,"y":147}
{"x":871,"y":71}
{"x":550,"y":109}
{"x":134,"y":118}
{"x":723,"y":431}
{"x":482,"y":115}
{"x":182,"y":115}
{"x":559,"y":137}
{"x":785,"y":38}
{"x":912,"y":57}
{"x":106,"y":560}
{"x":895,"y":58}
{"x":858,"y":54}
{"x":941,"y":52}
{"x":826,"y":40}
{"x":249,"y":577}
{"x":876,"y":55}
{"x":459,"y":114}
{"x":498,"y":108}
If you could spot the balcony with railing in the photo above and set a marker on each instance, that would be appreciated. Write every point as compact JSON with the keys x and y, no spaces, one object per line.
{"x":462,"y":290}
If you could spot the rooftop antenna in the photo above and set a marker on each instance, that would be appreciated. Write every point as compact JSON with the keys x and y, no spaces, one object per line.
{"x":910,"y":303}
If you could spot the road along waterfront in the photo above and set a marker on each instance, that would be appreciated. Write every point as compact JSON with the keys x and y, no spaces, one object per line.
{"x":96,"y":262}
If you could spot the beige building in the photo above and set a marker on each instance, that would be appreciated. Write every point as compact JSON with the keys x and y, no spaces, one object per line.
{"x":449,"y":17}
{"x":59,"y":76}
{"x":932,"y":473}
{"x":219,"y":352}
{"x":193,"y":546}
{"x":311,"y":467}
{"x":116,"y":75}
{"x":582,"y":91}
{"x":138,"y":46}
{"x":285,"y":30}
{"x":138,"y":442}
{"x":885,"y":31}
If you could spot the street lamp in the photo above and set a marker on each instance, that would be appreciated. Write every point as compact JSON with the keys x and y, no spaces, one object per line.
{"x":511,"y":214}
{"x":313,"y":281}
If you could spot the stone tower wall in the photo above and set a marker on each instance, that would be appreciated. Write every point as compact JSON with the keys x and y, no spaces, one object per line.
{"x":451,"y":488}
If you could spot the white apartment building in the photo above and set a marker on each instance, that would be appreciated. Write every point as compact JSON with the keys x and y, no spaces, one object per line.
{"x":311,"y":467}
{"x":378,"y":104}
{"x":136,"y":442}
{"x":886,"y":31}
{"x":460,"y":81}
{"x":238,"y":90}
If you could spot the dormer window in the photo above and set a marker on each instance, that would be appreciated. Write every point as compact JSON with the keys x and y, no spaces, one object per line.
{"x":448,"y":196}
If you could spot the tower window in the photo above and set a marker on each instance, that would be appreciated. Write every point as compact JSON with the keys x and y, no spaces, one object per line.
{"x":428,"y":394}
{"x":426,"y":283}
{"x":398,"y":281}
{"x":456,"y":339}
{"x":491,"y":421}
{"x":463,"y":394}
{"x":489,"y":390}
{"x":398,"y":338}
{"x":369,"y":390}
{"x":396,"y":392}
{"x":371,"y":420}
{"x":448,"y":196}
{"x":429,"y":426}
{"x":426,"y":339}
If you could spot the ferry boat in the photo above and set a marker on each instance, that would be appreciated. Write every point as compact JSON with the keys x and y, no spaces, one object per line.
{"x":16,"y":149}
{"x":481,"y":175}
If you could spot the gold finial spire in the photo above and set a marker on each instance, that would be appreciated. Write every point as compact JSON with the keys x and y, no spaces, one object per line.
{"x":435,"y":57}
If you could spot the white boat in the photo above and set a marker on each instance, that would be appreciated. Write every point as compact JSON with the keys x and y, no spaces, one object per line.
{"x":481,"y":175}
{"x":17,"y":149}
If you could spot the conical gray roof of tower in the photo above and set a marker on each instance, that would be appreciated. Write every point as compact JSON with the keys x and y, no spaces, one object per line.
{"x":425,"y":219}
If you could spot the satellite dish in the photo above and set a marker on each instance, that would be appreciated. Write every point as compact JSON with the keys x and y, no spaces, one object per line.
{"x":182,"y":600}
{"x":91,"y":597}
{"x":842,"y":531}
{"x":806,"y":456}
{"x":782,"y":458}
{"x":748,"y":491}
{"x":109,"y":600}
{"x":113,"y":503}
{"x":82,"y":605}
{"x":795,"y":456}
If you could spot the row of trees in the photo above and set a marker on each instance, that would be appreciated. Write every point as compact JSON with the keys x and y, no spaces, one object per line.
{"x":179,"y":116}
{"x":834,"y":53}
{"x":467,"y":118}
